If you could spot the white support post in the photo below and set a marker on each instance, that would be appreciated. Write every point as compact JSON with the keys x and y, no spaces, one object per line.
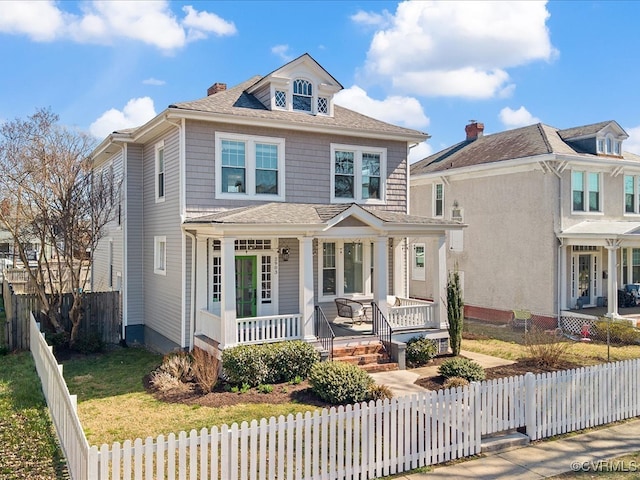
{"x":564,"y":303}
{"x":381,"y":269}
{"x":439,"y":278}
{"x":228,"y":303}
{"x":201,"y":301}
{"x":612,"y":304}
{"x":530,"y":405}
{"x":306,"y":288}
{"x":399,"y":277}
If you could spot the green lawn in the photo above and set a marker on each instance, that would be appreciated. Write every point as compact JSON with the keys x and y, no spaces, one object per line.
{"x":114,"y":406}
{"x":28,"y":445}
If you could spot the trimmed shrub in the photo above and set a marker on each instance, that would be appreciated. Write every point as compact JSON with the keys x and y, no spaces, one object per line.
{"x":379,"y":392}
{"x":245,"y":364}
{"x":620,"y":332}
{"x":462,"y":367}
{"x":454,"y":382}
{"x":292,"y":359}
{"x":420,"y":351}
{"x":339,"y":382}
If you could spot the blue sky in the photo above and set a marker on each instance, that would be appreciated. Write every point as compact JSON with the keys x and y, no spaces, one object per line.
{"x":432,"y":66}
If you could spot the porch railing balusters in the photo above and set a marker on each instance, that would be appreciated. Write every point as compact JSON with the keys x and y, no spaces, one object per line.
{"x":381,"y":327}
{"x":324,"y":332}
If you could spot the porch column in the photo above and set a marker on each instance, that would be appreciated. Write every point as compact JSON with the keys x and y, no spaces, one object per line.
{"x":228,"y":300}
{"x":563,"y":281}
{"x":200,"y":287}
{"x":439,"y":278}
{"x":612,"y":303}
{"x":381,"y":269}
{"x":399,"y":260}
{"x":306,"y":288}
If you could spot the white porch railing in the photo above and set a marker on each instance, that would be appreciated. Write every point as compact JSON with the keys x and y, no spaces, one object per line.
{"x":413,"y":313}
{"x":272,"y":328}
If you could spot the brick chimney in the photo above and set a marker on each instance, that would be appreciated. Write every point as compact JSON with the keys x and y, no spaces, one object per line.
{"x":474,"y":130}
{"x":215,"y":88}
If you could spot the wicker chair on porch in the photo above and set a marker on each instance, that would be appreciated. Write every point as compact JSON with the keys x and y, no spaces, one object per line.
{"x":352,"y":309}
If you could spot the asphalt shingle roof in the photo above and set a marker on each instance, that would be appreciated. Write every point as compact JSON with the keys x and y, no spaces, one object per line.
{"x":538,"y":139}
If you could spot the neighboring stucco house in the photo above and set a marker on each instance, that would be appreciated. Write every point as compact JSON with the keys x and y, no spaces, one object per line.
{"x":553,"y":217}
{"x":246,"y":213}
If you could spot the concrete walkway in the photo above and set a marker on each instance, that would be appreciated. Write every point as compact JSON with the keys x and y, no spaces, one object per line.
{"x":542,"y":459}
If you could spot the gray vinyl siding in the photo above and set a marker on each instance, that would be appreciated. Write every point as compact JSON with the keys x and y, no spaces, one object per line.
{"x":289,"y":279}
{"x":163,"y":293}
{"x":133,"y":224}
{"x":112,"y":234}
{"x":307,"y":166}
{"x":264,"y":95}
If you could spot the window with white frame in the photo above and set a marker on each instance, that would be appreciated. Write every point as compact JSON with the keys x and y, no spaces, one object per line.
{"x":585,"y":191}
{"x":160,"y":255}
{"x":346,"y":268}
{"x":418,"y":264}
{"x":438,"y":200}
{"x":160,"y":170}
{"x":631,"y":193}
{"x":302,"y":95}
{"x":358,"y":173}
{"x":281,"y":99}
{"x":249,"y":166}
{"x":323,"y":105}
{"x":609,"y":145}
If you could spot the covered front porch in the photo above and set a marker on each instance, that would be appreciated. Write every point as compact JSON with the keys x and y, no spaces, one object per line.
{"x":599,"y":264}
{"x":287,"y":263}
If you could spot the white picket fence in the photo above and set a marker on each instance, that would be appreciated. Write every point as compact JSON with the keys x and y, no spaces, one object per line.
{"x":361,"y":441}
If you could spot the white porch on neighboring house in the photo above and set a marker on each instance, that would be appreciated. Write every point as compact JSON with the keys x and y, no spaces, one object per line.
{"x":597,"y":259}
{"x":282,"y":282}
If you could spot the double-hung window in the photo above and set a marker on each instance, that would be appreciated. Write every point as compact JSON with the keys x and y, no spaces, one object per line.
{"x":160,"y":169}
{"x":160,"y":255}
{"x":358,"y":174}
{"x":249,"y":167}
{"x":585,"y":191}
{"x":438,"y":200}
{"x":418,"y":267}
{"x":302,"y":95}
{"x":631,"y":194}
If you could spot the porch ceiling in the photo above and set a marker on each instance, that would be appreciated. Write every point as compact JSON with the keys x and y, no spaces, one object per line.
{"x":600,"y":231}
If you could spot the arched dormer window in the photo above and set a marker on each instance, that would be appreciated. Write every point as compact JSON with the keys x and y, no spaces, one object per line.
{"x":302,"y":95}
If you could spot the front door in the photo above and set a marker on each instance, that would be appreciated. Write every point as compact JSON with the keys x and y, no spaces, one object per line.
{"x":246,"y":292}
{"x":584,"y":279}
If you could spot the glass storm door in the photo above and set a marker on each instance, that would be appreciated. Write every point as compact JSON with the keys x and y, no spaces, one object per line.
{"x":584,"y":279}
{"x":246,"y":287}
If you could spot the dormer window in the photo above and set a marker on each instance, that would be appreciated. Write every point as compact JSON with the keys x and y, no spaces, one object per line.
{"x":323,"y":105}
{"x":281,"y":99}
{"x":609,"y":145}
{"x":302,"y":94}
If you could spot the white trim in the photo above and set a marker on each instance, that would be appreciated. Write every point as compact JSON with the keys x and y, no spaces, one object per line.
{"x":585,"y":191}
{"x":250,"y":142}
{"x":125,"y":232}
{"x":435,"y":200}
{"x":158,"y":241}
{"x":367,"y":281}
{"x":358,"y":151}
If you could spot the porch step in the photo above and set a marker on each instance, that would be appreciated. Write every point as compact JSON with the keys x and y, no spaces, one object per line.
{"x":370,"y":357}
{"x":502,"y":442}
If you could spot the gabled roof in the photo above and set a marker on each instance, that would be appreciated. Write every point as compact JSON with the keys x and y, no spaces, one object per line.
{"x":530,"y":141}
{"x":316,"y":217}
{"x":590,"y":130}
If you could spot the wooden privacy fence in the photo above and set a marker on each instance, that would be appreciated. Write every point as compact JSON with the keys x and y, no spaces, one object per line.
{"x":102,"y":316}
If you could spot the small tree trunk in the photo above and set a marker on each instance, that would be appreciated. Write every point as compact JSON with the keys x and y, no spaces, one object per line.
{"x":75,"y":316}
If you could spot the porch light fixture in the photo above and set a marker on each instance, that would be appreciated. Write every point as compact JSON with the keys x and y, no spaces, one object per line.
{"x":284,"y":252}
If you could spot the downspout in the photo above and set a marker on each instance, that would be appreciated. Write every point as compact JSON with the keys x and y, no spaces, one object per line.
{"x":560,"y":245}
{"x":192,"y":308}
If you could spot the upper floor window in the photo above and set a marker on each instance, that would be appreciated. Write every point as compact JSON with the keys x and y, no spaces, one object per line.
{"x":248,"y":166}
{"x":358,"y":173}
{"x":160,"y":181}
{"x":438,"y":200}
{"x":631,"y":191}
{"x":281,"y":99}
{"x":302,"y":95}
{"x":323,"y":105}
{"x":586,"y":191}
{"x":609,"y":145}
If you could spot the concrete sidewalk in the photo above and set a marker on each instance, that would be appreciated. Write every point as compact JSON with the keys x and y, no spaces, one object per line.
{"x":551,"y":457}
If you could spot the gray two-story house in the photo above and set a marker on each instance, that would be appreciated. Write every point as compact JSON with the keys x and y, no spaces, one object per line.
{"x":245,"y":214}
{"x":553,"y":217}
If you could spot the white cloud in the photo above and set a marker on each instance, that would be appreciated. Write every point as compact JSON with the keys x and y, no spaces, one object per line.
{"x":461,"y":48}
{"x":517,"y":118}
{"x":282,"y":51}
{"x":632,"y":144}
{"x":103,"y":21}
{"x":372,"y":18}
{"x":153,"y":81}
{"x":136,"y":112}
{"x":398,"y":110}
{"x":420,"y":151}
